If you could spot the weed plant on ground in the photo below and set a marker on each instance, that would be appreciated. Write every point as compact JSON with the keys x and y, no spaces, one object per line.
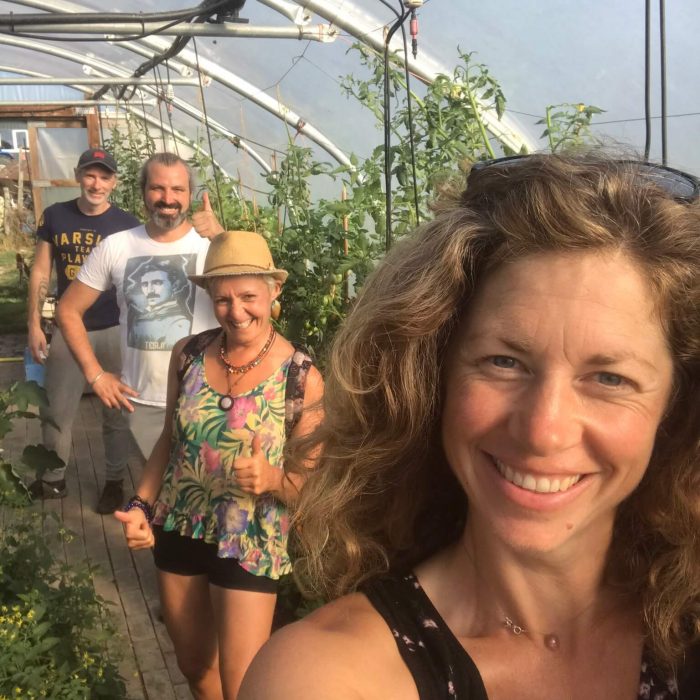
{"x":56,"y":634}
{"x":55,"y":631}
{"x":13,"y":294}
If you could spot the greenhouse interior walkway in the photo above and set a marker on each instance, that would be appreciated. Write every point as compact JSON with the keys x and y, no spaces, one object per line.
{"x":126,"y":579}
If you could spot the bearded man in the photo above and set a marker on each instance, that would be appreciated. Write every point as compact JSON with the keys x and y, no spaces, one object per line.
{"x":168,"y":241}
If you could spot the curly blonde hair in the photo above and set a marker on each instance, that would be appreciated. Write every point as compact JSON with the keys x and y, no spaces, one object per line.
{"x":383,"y":496}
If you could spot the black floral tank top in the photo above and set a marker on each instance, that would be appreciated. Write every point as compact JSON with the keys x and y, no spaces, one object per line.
{"x":439,"y":664}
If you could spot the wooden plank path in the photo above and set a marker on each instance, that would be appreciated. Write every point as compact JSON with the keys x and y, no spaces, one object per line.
{"x":125,"y":578}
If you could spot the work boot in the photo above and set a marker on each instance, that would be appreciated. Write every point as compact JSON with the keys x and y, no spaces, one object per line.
{"x":43,"y":490}
{"x":112,"y":497}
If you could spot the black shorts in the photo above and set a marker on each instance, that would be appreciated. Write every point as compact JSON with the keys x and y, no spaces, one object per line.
{"x":186,"y":556}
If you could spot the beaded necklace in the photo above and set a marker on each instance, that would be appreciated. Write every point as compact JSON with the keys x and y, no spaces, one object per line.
{"x":226,"y":401}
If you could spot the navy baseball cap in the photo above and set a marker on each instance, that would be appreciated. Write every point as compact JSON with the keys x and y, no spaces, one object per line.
{"x":98,"y":156}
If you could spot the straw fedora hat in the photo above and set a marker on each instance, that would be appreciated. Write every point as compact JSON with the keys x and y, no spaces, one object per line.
{"x":238,"y":253}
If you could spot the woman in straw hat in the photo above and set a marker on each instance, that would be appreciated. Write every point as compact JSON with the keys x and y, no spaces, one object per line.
{"x":212,"y":498}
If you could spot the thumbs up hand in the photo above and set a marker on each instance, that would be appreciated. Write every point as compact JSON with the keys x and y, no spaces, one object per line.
{"x":255,"y":474}
{"x":139,"y":534}
{"x":204,"y":221}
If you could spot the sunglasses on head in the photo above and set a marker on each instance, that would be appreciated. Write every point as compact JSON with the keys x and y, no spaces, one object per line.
{"x":681,"y":186}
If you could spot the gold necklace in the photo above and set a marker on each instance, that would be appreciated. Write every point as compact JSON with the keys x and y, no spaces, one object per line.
{"x":226,"y":401}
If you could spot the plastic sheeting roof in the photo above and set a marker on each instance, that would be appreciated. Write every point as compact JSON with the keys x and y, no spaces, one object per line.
{"x":544,"y":52}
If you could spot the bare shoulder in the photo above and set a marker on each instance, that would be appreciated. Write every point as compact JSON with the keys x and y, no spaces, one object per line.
{"x":314,"y":384}
{"x":343,"y":650}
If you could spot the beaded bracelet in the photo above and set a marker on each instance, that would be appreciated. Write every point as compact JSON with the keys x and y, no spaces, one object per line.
{"x":143,"y":505}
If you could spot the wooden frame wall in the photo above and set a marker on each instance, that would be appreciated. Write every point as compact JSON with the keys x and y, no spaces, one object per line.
{"x":63,"y":117}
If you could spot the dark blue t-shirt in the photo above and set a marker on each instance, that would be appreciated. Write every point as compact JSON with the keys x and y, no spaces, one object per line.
{"x":72,"y":236}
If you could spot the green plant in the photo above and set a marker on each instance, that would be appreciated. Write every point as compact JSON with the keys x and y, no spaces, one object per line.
{"x":448,"y":132}
{"x":55,"y":631}
{"x":568,"y":126}
{"x":131,"y":146}
{"x":13,"y":293}
{"x":14,"y":403}
{"x":325,"y":245}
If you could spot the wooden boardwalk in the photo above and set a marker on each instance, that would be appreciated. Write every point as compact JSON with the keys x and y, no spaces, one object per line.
{"x":125,"y":578}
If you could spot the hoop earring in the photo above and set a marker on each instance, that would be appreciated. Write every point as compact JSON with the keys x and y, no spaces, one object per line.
{"x":275,"y":309}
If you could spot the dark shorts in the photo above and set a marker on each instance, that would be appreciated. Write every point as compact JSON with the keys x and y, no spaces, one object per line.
{"x":185,"y":556}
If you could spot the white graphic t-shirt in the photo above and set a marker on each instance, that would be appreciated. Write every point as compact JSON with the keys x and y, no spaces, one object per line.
{"x":158,"y":305}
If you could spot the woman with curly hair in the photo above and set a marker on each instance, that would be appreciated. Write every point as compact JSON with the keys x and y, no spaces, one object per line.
{"x":508,"y":492}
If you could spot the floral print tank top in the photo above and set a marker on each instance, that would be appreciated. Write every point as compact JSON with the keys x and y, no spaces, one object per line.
{"x":200,"y":497}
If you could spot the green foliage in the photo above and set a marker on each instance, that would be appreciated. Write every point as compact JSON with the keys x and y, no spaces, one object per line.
{"x":448,"y":132}
{"x":568,"y":126}
{"x":54,"y":629}
{"x":13,"y":293}
{"x":131,"y":147}
{"x":325,"y":245}
{"x":14,"y":403}
{"x":292,"y":605}
{"x":13,"y":492}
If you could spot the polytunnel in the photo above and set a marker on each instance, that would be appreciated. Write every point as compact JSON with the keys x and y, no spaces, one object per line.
{"x":272,"y":72}
{"x":332,"y":120}
{"x":510,"y":419}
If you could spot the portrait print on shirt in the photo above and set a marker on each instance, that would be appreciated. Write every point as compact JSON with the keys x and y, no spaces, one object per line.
{"x":159,"y":300}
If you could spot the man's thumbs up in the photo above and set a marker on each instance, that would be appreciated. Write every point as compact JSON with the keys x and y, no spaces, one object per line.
{"x":204,"y":221}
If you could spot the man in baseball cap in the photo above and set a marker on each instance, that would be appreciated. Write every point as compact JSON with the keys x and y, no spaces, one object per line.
{"x":97,"y":156}
{"x":66,"y":234}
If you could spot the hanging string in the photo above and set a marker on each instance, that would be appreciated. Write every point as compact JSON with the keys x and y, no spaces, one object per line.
{"x":169,"y":109}
{"x":159,"y":91}
{"x":647,"y":78}
{"x":215,"y":170}
{"x":387,"y":137}
{"x":143,"y":122}
{"x":387,"y":125}
{"x":411,"y":135}
{"x":99,"y":122}
{"x":662,"y":51}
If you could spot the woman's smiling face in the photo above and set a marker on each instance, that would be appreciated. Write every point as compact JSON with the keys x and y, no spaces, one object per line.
{"x":242,"y":305}
{"x":557,"y":381}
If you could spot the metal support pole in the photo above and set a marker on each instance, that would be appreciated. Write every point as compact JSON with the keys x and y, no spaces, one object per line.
{"x":78,"y":80}
{"x":323,"y":32}
{"x":57,"y":103}
{"x":297,"y":14}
